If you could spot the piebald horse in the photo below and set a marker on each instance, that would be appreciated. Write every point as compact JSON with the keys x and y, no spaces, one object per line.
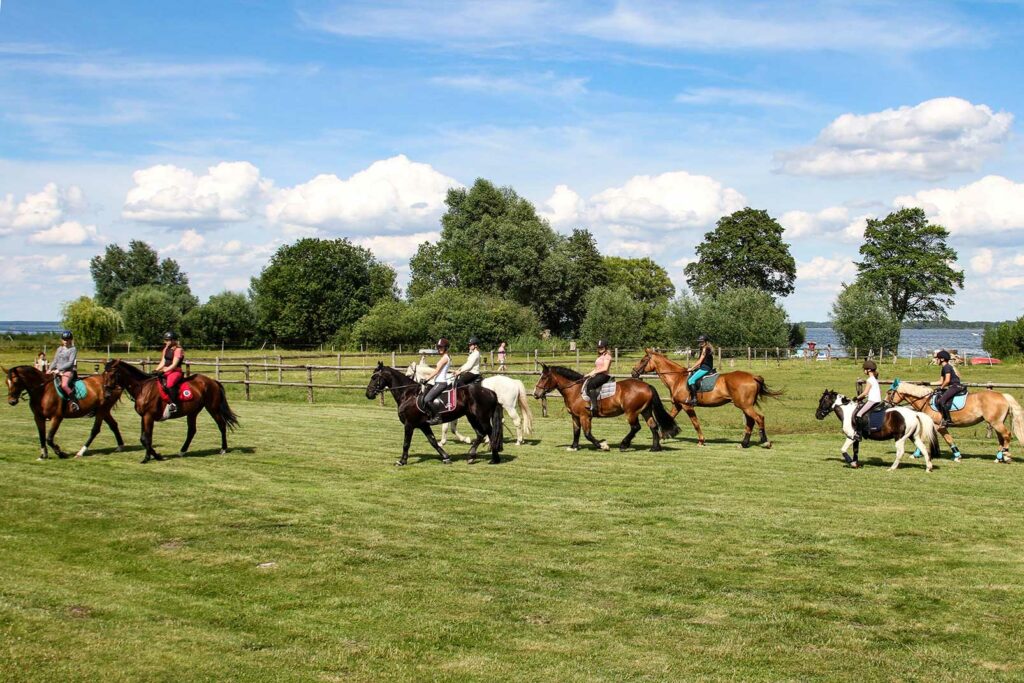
{"x":900,"y":424}
{"x":739,"y":387}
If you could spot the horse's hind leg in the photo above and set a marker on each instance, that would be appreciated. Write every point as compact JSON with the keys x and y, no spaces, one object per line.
{"x":112,"y":423}
{"x":189,"y":433}
{"x":222,"y":425}
{"x":900,"y":448}
{"x":480,"y":436}
{"x":634,"y":427}
{"x":516,"y":422}
{"x":1004,"y":441}
{"x":748,"y":415}
{"x":655,"y":433}
{"x":96,"y":424}
{"x":759,"y":419}
{"x":54,"y":426}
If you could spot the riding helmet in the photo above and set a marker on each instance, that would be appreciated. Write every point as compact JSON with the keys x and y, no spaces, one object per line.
{"x":602,"y":344}
{"x":870,"y":365}
{"x":66,"y":334}
{"x":942,"y":355}
{"x":703,"y":338}
{"x":170,"y":336}
{"x":442,"y":343}
{"x":474,"y":341}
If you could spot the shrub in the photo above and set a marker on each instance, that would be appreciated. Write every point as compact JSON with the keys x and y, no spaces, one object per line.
{"x":149,"y":312}
{"x":862,"y":319}
{"x":733,"y":318}
{"x":92,"y":324}
{"x":226,"y":318}
{"x":1006,"y":339}
{"x":614,"y":315}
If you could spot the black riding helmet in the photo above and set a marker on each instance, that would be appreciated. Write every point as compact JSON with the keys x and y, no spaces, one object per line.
{"x":66,"y":335}
{"x":474,"y":341}
{"x":703,"y":338}
{"x":170,"y":336}
{"x":942,"y":355}
{"x":602,"y":344}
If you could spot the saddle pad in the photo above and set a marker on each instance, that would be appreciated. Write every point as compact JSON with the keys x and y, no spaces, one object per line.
{"x":450,"y":399}
{"x":81,"y":391}
{"x":876,"y":420}
{"x":707,"y":382}
{"x":958,"y":403}
{"x":185,"y":392}
{"x":607,"y":389}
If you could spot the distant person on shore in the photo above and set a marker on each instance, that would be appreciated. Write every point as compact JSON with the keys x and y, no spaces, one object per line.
{"x":502,"y":349}
{"x":41,"y":363}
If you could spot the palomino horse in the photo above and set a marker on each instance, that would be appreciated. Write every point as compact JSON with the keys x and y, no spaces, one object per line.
{"x":208,"y":393}
{"x":632,"y":398}
{"x":738,"y":387}
{"x":981,"y":406}
{"x":511,"y":395}
{"x":479,"y":405}
{"x":47,"y":405}
{"x":900,"y":424}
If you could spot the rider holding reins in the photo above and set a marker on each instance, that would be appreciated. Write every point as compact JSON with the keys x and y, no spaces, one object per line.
{"x":705,"y":364}
{"x":872,"y":395}
{"x":949,"y":387}
{"x":170,"y":367}
{"x":440,"y":378}
{"x":64,"y":366}
{"x":596,"y":378}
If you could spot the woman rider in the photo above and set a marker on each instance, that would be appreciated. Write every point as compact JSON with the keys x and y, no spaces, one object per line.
{"x":170,"y":367}
{"x":872,"y":394}
{"x":440,"y":378}
{"x":63,"y":366}
{"x":596,"y":378}
{"x":705,"y":364}
{"x":470,"y":370}
{"x":948,"y":389}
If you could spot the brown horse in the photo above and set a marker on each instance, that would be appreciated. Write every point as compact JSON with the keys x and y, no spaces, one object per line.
{"x":992,"y":407}
{"x":632,"y":398}
{"x":739,"y":387}
{"x":209,"y":394}
{"x":47,"y":405}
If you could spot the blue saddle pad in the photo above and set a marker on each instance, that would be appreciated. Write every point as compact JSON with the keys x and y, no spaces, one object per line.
{"x":958,"y":403}
{"x":707,"y":382}
{"x":80,"y":389}
{"x":876,"y":420}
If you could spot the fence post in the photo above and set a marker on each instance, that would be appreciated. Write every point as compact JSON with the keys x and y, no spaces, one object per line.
{"x":266,"y":370}
{"x":577,"y":357}
{"x":719,"y":355}
{"x":216,"y":365}
{"x":855,"y":353}
{"x":393,"y":361}
{"x":309,"y":383}
{"x":616,"y":360}
{"x":748,"y":354}
{"x":544,"y":406}
{"x":535,"y":360}
{"x":280,"y":372}
{"x":492,"y":360}
{"x":246,"y":381}
{"x":188,"y":368}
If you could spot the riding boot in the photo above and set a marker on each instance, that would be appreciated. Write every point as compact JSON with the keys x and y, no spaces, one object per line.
{"x":946,"y":419}
{"x":692,"y":401}
{"x":172,"y":399}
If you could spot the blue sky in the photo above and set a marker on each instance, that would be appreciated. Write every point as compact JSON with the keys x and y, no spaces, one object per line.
{"x":219,"y":131}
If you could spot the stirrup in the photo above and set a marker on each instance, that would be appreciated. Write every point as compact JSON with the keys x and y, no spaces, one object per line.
{"x":172,"y":408}
{"x":74,"y":406}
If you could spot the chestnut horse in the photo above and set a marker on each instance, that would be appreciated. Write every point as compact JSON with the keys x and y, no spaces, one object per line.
{"x":738,"y":387}
{"x":142,"y":386}
{"x":992,"y":407}
{"x":632,"y":398}
{"x":47,"y":405}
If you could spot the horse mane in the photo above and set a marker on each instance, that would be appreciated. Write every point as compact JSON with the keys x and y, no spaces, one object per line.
{"x":565,"y":372}
{"x":915,"y":390}
{"x":30,"y":368}
{"x":136,"y":373}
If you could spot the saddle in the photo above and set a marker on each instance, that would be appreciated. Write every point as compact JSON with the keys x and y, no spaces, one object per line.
{"x":958,"y":402}
{"x":707,"y":382}
{"x":185,"y":392}
{"x":77,"y":385}
{"x":607,"y":389}
{"x":875,"y":419}
{"x":445,"y":403}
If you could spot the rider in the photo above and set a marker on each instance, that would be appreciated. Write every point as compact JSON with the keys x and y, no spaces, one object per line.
{"x":596,"y":378}
{"x":949,"y":387}
{"x":470,"y":370}
{"x":170,"y":366}
{"x":440,"y":378}
{"x":64,"y":367}
{"x":705,"y":365}
{"x":872,"y":394}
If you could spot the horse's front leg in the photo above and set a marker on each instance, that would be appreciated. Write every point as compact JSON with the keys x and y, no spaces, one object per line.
{"x":900,"y":448}
{"x":41,"y":428}
{"x":96,"y":424}
{"x":190,"y":433}
{"x":852,"y":462}
{"x":112,"y":424}
{"x":586,"y":422}
{"x":948,"y":438}
{"x":147,"y":440}
{"x":409,"y":429}
{"x":54,"y":426}
{"x":692,"y":414}
{"x":429,"y":433}
{"x":575,"y":434}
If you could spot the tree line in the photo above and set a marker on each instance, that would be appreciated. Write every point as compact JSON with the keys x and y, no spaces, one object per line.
{"x":500,"y":272}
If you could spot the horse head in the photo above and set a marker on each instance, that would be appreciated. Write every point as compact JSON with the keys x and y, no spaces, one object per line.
{"x":546,"y":382}
{"x":111,"y":370}
{"x":894,"y":395}
{"x":379,"y":381}
{"x":21,"y":380}
{"x":826,"y":404}
{"x":642,"y":367}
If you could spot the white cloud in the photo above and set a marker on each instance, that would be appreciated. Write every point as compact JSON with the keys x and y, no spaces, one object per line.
{"x":564,"y":207}
{"x":666,"y":202}
{"x":67,"y":233}
{"x":931,"y":139}
{"x":545,"y":84}
{"x":396,"y":247}
{"x":19,"y":270}
{"x":630,"y":247}
{"x":825,"y":274}
{"x":228,"y":192}
{"x":743,"y":97}
{"x":1006,"y":283}
{"x":394,"y":194}
{"x":991,"y":205}
{"x":191,"y":241}
{"x":804,"y":223}
{"x":40,"y":210}
{"x":981,"y":262}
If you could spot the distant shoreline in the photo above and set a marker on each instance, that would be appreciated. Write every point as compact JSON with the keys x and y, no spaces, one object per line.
{"x":925,"y":325}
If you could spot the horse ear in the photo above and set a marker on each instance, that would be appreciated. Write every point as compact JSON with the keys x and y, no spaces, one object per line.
{"x":544,"y":365}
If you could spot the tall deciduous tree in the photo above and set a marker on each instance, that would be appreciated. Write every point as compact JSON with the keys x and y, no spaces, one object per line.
{"x":92,"y":324}
{"x":149,"y":312}
{"x":745,"y":249}
{"x":613,"y":315}
{"x":862,"y":319}
{"x":907,"y":259}
{"x":226,"y":318}
{"x":573,"y":268}
{"x":313,"y":288}
{"x":732,"y":318}
{"x":117,"y":270}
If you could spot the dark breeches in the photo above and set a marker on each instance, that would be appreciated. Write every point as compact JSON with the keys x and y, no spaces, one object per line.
{"x":594,"y":385}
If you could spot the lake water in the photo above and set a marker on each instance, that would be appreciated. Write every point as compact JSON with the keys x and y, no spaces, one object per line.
{"x":918,"y":342}
{"x":29,"y":326}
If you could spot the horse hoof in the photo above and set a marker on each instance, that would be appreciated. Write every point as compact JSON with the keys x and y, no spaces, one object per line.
{"x":570,"y":449}
{"x":471,"y":461}
{"x":604,"y":446}
{"x":223,"y":451}
{"x":448,"y":461}
{"x":495,"y":461}
{"x":767,"y":445}
{"x":119,"y":449}
{"x":655,"y":449}
{"x":399,"y":463}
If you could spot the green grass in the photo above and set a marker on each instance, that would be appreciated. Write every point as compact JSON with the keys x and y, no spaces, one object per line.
{"x":712,"y":563}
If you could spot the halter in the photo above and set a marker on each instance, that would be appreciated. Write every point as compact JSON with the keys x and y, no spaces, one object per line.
{"x":401,"y":388}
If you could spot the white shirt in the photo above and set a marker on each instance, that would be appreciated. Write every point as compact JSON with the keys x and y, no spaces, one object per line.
{"x":442,"y":377}
{"x":874,"y":392}
{"x":472,"y":363}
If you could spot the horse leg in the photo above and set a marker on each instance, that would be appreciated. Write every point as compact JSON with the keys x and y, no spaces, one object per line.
{"x":516,"y":422}
{"x":409,"y":429}
{"x":112,"y":423}
{"x":147,"y":440}
{"x":648,"y":415}
{"x":54,"y":426}
{"x":759,"y":419}
{"x":921,"y":447}
{"x":444,"y":432}
{"x":852,"y":462}
{"x":692,"y":414}
{"x":480,"y":436}
{"x":586,"y":423}
{"x":222,"y":425}
{"x":575,"y":434}
{"x":1004,"y":441}
{"x":634,"y":427}
{"x":190,"y":432}
{"x":900,"y":447}
{"x":96,"y":424}
{"x":944,"y":431}
{"x":41,"y":428}
{"x":748,"y":415}
{"x":429,"y":433}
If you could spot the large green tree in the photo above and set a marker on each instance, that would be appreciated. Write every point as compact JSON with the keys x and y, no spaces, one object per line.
{"x":862,"y":319}
{"x":615,"y":316}
{"x":313,"y":288}
{"x":906,"y":258}
{"x":573,"y":268}
{"x":227,"y":318}
{"x":92,"y":324}
{"x":732,"y":318}
{"x":650,"y":286}
{"x":745,"y":249}
{"x":117,"y":270}
{"x":148,"y":312}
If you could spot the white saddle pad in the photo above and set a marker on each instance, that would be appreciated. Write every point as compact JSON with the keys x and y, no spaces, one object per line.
{"x":607,"y":389}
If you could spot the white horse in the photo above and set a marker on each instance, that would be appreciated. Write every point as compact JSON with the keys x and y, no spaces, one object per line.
{"x":511,"y":395}
{"x":900,"y":424}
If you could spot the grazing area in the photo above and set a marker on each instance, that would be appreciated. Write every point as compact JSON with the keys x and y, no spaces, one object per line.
{"x":304,"y":555}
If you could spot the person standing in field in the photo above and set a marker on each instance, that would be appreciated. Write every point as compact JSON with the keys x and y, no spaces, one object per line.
{"x":41,"y":363}
{"x":65,"y":364}
{"x":470,"y":370}
{"x":596,"y":378}
{"x":502,"y":350}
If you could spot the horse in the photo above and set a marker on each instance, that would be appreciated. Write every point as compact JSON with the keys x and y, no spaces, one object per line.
{"x":511,"y":395}
{"x":632,"y":398}
{"x":739,"y":387}
{"x":981,"y":406}
{"x":47,"y":405}
{"x":900,"y":424}
{"x":478,"y":404}
{"x":143,"y":387}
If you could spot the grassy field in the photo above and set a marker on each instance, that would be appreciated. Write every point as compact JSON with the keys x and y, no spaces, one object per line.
{"x":304,"y":555}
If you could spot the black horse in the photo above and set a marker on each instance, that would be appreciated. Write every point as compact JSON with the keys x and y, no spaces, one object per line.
{"x":479,"y":405}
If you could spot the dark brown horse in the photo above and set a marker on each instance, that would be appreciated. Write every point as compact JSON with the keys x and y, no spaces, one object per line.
{"x":479,"y":405}
{"x":632,"y":398}
{"x":740,"y":388}
{"x":208,"y":393}
{"x":47,"y":405}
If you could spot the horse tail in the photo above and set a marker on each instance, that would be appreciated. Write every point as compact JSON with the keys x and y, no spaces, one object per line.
{"x":524,"y":408}
{"x":666,"y":424}
{"x":497,"y":428}
{"x":763,"y":390}
{"x":1016,"y":417}
{"x":230,"y":418}
{"x":929,"y":434}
